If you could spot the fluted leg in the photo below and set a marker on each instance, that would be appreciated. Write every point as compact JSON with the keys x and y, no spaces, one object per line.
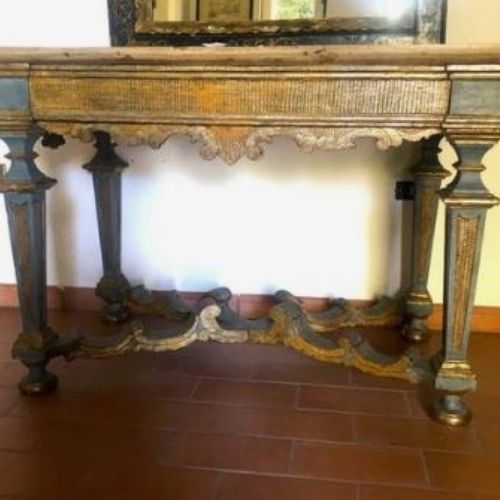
{"x":24,"y":187}
{"x":106,"y":168}
{"x":428,"y":174}
{"x":467,"y":201}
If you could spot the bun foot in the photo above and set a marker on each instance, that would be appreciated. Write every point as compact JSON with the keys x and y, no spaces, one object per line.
{"x":38,"y":382}
{"x":451,"y":410}
{"x":115,"y":313}
{"x":416,"y":332}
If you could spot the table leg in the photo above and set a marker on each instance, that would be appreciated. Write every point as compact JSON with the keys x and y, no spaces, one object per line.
{"x":467,"y":201}
{"x":106,"y":168}
{"x":24,"y":187}
{"x":428,"y":174}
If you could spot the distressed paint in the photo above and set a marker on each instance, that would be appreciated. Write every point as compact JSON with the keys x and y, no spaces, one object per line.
{"x":239,"y":95}
{"x":14,"y":93}
{"x":475,"y":97}
{"x":106,"y":168}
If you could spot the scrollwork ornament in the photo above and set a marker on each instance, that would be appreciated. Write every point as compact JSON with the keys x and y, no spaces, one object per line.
{"x":231,"y":143}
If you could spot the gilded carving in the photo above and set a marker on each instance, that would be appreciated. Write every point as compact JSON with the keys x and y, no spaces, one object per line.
{"x":233,"y":142}
{"x":428,"y":197}
{"x":465,"y":255}
{"x":288,"y":324}
{"x":385,"y":312}
{"x":200,"y":327}
{"x":294,"y":331}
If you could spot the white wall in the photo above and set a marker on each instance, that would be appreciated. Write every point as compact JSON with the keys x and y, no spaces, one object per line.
{"x":321,"y":224}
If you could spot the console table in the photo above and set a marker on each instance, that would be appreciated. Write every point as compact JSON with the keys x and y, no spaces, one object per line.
{"x":232,"y":102}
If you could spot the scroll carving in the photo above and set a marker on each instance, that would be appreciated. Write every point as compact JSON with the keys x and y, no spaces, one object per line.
{"x":231,"y":143}
{"x":212,"y":319}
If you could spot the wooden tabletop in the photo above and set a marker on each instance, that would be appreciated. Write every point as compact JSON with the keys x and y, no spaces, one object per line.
{"x":258,"y":56}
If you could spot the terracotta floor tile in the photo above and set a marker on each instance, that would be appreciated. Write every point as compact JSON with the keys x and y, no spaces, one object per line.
{"x":389,"y":493}
{"x":245,"y":393}
{"x":249,"y":487}
{"x":29,"y":475}
{"x":353,"y":400}
{"x":208,"y":366}
{"x":218,"y":451}
{"x":126,"y":375}
{"x":488,"y":434}
{"x":484,"y":407}
{"x":361,"y":379}
{"x":414,"y":433}
{"x":8,"y":398}
{"x":145,"y":384}
{"x":147,"y":482}
{"x":130,"y":424}
{"x":10,"y":324}
{"x":232,"y":361}
{"x":464,"y":472}
{"x":11,"y":374}
{"x":311,"y":372}
{"x":103,"y":411}
{"x":104,"y":445}
{"x":195,"y":416}
{"x":417,"y":406}
{"x":298,"y":424}
{"x":357,"y":463}
{"x":70,"y":407}
{"x":6,"y":352}
{"x":385,"y":340}
{"x":18,"y":434}
{"x":245,"y":354}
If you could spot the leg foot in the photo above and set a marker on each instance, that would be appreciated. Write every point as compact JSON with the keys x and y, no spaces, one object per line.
{"x":114,"y":290}
{"x":451,"y":410}
{"x":416,"y":331}
{"x":35,"y":350}
{"x":115,"y":313}
{"x":39,"y":381}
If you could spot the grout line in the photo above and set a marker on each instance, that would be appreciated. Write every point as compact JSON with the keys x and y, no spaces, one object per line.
{"x":426,"y":469}
{"x":358,"y":491}
{"x":355,"y":436}
{"x":312,"y":384}
{"x":325,"y":442}
{"x":218,"y":485}
{"x":406,"y":397}
{"x":292,"y":455}
{"x":195,"y":388}
{"x":166,"y":400}
{"x":350,"y":379}
{"x":412,"y":486}
{"x":296,"y":398}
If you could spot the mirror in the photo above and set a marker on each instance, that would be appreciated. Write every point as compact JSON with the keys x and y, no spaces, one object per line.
{"x":275,"y":22}
{"x":277,"y":10}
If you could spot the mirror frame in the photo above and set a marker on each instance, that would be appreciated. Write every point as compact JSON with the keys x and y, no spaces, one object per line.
{"x":131,"y":23}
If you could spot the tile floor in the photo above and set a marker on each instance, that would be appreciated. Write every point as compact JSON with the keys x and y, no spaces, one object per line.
{"x":239,"y":422}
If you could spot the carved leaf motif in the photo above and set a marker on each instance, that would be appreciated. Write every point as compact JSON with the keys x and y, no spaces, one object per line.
{"x":231,"y":143}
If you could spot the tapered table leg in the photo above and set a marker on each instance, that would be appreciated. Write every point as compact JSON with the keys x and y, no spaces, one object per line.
{"x":428,"y":174}
{"x":24,"y":187}
{"x":106,"y":168}
{"x":467,"y":201}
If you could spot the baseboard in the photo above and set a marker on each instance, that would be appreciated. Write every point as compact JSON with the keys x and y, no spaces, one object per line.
{"x":485,"y":319}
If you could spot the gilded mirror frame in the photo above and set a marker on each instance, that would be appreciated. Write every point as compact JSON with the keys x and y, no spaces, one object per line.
{"x":131,"y":23}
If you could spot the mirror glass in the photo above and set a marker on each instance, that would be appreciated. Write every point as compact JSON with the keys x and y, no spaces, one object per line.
{"x":275,"y":10}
